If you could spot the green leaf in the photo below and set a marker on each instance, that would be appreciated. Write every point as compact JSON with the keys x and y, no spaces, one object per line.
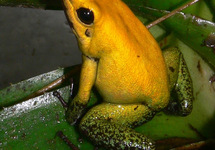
{"x":29,"y":88}
{"x":33,"y":124}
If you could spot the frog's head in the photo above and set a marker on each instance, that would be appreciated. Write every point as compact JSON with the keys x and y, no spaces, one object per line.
{"x":82,"y":15}
{"x":100,"y":25}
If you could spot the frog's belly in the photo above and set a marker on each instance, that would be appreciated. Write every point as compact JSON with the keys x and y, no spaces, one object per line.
{"x":121,"y":84}
{"x":115,"y":92}
{"x":132,"y":82}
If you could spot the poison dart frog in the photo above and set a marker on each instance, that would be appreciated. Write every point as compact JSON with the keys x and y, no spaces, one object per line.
{"x":126,"y":65}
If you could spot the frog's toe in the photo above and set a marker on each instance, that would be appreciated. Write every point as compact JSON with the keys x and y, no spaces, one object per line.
{"x":74,"y":112}
{"x":183,"y":108}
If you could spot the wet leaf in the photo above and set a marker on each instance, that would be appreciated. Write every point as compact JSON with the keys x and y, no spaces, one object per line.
{"x":33,"y":123}
{"x":18,"y":92}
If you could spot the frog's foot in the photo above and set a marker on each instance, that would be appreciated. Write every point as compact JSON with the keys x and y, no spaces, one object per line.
{"x":182,"y":108}
{"x":74,"y":110}
{"x":109,"y":125}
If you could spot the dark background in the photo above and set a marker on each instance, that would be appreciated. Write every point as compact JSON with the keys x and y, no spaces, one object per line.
{"x":33,"y":42}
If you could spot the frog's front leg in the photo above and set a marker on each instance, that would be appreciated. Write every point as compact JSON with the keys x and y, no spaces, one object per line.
{"x":110,"y":126}
{"x":87,"y":80}
{"x":180,"y":82}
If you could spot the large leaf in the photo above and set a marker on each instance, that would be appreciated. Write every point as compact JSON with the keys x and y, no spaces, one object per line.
{"x":34,"y":123}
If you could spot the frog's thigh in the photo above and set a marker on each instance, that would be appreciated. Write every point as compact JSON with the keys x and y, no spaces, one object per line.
{"x":172,"y":60}
{"x":109,"y":125}
{"x":180,"y":82}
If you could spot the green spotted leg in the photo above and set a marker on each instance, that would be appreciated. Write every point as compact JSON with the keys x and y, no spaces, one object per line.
{"x":184,"y":88}
{"x":110,"y":126}
{"x":180,"y":83}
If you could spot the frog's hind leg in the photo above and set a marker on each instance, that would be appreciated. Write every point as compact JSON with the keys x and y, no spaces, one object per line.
{"x":109,"y":125}
{"x":180,"y":83}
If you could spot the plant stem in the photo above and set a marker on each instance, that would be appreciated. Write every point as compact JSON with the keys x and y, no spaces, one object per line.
{"x":171,"y":13}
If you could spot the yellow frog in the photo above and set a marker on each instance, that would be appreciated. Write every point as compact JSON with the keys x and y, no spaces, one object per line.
{"x":125,"y":64}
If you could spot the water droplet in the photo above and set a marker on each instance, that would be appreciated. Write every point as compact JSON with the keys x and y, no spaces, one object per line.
{"x":42,"y":118}
{"x":14,"y":137}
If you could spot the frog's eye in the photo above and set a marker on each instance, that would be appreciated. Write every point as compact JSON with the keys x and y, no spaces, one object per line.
{"x":85,"y":15}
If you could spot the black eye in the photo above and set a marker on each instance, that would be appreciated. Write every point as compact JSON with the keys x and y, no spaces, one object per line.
{"x":85,"y":15}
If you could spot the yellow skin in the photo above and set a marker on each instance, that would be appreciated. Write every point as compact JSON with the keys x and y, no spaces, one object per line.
{"x":124,"y":62}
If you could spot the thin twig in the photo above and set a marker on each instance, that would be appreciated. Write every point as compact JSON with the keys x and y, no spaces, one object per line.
{"x":55,"y":83}
{"x":66,"y":140}
{"x":171,"y":13}
{"x":197,"y":145}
